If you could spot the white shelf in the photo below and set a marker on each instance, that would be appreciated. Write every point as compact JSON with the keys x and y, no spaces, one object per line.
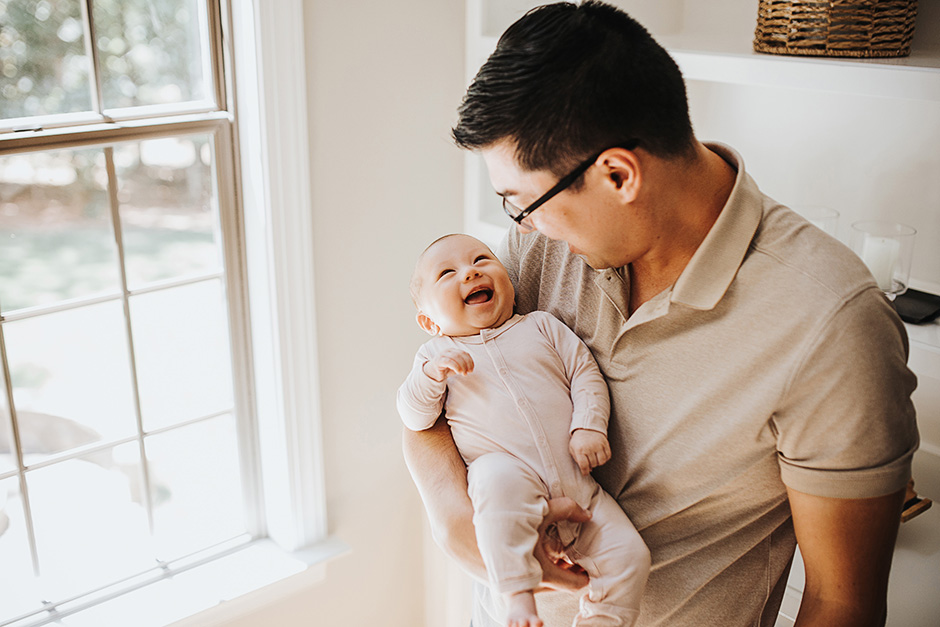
{"x":718,"y":46}
{"x":831,"y":75}
{"x":926,"y":336}
{"x":713,"y":41}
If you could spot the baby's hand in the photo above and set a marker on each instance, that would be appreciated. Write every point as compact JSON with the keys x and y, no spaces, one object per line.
{"x":450,"y":361}
{"x":589,"y":449}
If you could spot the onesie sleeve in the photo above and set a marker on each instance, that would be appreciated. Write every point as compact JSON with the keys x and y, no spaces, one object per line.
{"x":846,"y":427}
{"x":589,"y":394}
{"x":421,"y":398}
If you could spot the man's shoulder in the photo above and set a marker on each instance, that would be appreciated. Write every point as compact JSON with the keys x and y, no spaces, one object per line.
{"x":801,"y":257}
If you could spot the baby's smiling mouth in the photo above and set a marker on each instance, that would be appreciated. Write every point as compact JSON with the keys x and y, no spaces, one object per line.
{"x":479,"y":296}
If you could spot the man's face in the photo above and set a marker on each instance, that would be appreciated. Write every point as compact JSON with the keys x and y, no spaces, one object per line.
{"x":463,"y":288}
{"x":589,"y":220}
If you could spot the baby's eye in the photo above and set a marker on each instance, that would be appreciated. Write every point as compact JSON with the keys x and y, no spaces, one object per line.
{"x":444,"y":273}
{"x":480,"y":258}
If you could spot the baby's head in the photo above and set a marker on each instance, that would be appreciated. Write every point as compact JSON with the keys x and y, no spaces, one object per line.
{"x":460,"y":287}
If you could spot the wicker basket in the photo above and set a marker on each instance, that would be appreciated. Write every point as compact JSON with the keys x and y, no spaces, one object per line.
{"x":836,"y":28}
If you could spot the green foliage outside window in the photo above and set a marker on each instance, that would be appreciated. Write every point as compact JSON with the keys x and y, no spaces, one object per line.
{"x":149,"y":52}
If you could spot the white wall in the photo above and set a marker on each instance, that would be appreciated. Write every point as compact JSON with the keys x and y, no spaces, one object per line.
{"x":385,"y":79}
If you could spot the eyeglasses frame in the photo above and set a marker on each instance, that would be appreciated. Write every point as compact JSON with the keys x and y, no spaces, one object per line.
{"x":563,"y":184}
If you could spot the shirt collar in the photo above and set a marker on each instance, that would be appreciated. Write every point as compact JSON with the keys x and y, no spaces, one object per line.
{"x":715,"y":263}
{"x":488,"y":334}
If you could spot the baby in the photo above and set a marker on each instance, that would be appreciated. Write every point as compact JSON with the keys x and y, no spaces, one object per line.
{"x":529,"y":417}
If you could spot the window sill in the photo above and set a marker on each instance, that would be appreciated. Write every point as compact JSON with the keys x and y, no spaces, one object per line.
{"x":218,"y":591}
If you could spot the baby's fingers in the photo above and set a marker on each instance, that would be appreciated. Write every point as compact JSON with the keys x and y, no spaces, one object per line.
{"x":459,"y":362}
{"x":584,"y":463}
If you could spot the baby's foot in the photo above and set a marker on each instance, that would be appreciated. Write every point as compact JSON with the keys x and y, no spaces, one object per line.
{"x":522,"y":610}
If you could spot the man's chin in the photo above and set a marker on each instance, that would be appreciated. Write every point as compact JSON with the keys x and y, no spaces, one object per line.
{"x":596,"y":264}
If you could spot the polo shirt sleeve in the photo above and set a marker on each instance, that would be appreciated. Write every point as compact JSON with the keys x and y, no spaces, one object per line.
{"x":846,"y":426}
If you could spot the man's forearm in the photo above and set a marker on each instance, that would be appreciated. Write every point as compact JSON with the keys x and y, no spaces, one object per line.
{"x":441,"y":477}
{"x":816,"y":612}
{"x":847,"y":545}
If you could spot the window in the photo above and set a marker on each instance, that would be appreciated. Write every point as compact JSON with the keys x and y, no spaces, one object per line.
{"x":126,"y":421}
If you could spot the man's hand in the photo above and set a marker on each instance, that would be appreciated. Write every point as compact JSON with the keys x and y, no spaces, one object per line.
{"x":450,"y":361}
{"x":557,"y":572}
{"x":589,"y":449}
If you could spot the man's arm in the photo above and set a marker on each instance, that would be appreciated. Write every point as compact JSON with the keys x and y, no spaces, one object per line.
{"x":847,"y":545}
{"x":441,"y":476}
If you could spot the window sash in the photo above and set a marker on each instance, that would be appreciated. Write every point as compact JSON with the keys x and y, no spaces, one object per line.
{"x":271,"y":170}
{"x":213,"y":25}
{"x":109,"y":127}
{"x":219,"y":128}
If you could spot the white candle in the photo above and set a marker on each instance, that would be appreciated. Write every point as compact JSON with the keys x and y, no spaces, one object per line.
{"x":880,"y":254}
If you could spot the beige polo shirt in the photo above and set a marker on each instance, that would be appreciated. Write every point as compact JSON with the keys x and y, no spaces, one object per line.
{"x":773,"y":361}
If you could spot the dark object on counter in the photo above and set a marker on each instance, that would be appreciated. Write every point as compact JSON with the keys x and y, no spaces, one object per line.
{"x":913,"y":504}
{"x":917,"y":307}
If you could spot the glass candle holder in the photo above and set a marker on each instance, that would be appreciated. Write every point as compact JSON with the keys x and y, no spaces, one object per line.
{"x":887,"y":249}
{"x":823,"y":217}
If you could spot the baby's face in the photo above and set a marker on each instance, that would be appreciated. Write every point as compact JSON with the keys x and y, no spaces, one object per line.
{"x":464,"y":288}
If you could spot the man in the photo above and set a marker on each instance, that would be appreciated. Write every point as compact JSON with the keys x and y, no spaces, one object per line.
{"x":758,"y":379}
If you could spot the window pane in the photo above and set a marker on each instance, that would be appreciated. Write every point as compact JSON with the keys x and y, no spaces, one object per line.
{"x":151,"y":52}
{"x":197,"y":488}
{"x":71,"y":379}
{"x":55,"y":228}
{"x":183,"y":358}
{"x":169,"y":216}
{"x":43,"y":65}
{"x":107,"y":534}
{"x":16,"y":567}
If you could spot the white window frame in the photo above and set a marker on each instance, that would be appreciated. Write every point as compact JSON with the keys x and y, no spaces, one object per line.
{"x":273,"y":143}
{"x":265,"y":42}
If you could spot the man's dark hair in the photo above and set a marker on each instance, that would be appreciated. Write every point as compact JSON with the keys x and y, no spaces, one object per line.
{"x":567,"y":81}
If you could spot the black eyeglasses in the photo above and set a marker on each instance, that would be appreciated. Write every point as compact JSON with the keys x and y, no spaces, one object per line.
{"x":519,"y":215}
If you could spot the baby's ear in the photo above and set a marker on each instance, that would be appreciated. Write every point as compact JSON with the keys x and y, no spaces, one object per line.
{"x":427,"y":324}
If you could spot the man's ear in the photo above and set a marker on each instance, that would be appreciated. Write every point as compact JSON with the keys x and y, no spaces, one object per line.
{"x":427,"y":324}
{"x":622,"y":169}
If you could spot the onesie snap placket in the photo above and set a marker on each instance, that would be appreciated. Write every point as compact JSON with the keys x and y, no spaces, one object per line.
{"x":490,"y":339}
